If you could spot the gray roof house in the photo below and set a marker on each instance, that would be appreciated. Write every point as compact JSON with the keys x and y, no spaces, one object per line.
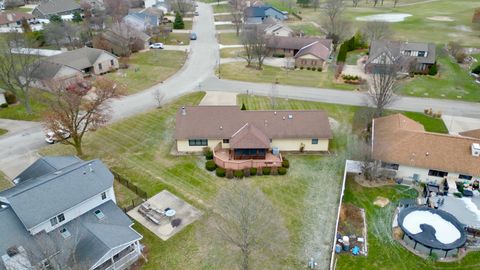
{"x":257,"y":14}
{"x":63,"y":208}
{"x":409,"y":56}
{"x":46,"y":9}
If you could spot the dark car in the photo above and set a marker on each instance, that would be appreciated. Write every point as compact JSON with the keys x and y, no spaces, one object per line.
{"x":193,"y":36}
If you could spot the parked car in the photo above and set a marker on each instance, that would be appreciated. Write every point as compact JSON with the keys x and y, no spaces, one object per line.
{"x":52,"y":138}
{"x":196,"y":13}
{"x":193,"y":36}
{"x":156,"y":46}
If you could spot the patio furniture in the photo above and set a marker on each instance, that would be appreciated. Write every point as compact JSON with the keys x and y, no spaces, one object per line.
{"x":170,"y":213}
{"x":161,"y":213}
{"x":152,"y":219}
{"x":144,"y":209}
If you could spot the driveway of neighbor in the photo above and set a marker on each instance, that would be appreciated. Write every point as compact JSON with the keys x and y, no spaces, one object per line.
{"x":354,"y":70}
{"x":457,"y":124}
{"x":213,"y":98}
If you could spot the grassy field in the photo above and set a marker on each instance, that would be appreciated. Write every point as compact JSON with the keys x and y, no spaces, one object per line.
{"x":452,"y":82}
{"x":224,"y":27}
{"x":383,"y":251}
{"x":307,"y":28}
{"x":238,"y":71}
{"x":431,"y":124}
{"x":228,"y":39}
{"x":4,"y":181}
{"x":139,"y":148}
{"x":221,"y":18}
{"x":222,"y":8}
{"x":3,"y":131}
{"x":177,"y":39}
{"x":17,"y":111}
{"x":149,"y":68}
{"x":230,"y":52}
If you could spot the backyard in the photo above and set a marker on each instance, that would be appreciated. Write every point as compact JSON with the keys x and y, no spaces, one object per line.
{"x":17,"y":111}
{"x":383,"y":251}
{"x":139,"y":149}
{"x":238,"y":71}
{"x":149,"y":68}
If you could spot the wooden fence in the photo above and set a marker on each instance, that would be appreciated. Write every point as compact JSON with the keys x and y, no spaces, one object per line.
{"x":143,"y":196}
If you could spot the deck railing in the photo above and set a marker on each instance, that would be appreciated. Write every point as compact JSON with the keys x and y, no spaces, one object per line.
{"x":244,"y":164}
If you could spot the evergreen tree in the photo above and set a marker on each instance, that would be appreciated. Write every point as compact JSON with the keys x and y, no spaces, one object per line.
{"x":56,"y":19}
{"x":77,"y":17}
{"x":433,"y":70}
{"x":244,"y":108}
{"x":178,"y":23}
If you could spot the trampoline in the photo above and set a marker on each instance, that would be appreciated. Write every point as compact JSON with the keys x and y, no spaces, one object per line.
{"x":431,"y":230}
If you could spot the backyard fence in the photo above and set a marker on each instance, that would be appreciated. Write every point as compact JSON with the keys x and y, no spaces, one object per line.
{"x":134,"y":188}
{"x":297,"y":16}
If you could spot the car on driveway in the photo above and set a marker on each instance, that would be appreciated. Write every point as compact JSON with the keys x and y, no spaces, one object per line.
{"x":193,"y":36}
{"x":51,"y":137}
{"x":156,"y":46}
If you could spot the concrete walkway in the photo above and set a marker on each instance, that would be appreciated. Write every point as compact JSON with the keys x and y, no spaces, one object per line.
{"x":182,"y":48}
{"x":214,"y":98}
{"x":457,"y":124}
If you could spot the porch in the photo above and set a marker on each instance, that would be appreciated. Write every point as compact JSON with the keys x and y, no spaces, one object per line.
{"x":224,"y":158}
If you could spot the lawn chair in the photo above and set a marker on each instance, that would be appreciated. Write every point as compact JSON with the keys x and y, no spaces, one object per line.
{"x":152,"y":219}
{"x":144,"y":209}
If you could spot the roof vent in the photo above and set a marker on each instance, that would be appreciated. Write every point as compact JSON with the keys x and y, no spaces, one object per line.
{"x":475,"y":149}
{"x":65,"y":233}
{"x":184,"y":111}
{"x":57,"y":172}
{"x":275,"y":112}
{"x":221,"y":127}
{"x":290,"y":116}
{"x":90,"y":168}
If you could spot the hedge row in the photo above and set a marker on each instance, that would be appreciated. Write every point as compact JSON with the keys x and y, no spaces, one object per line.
{"x":221,"y":172}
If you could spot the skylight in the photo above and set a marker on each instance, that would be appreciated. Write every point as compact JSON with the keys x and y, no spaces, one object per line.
{"x":65,"y":233}
{"x":99,"y":214}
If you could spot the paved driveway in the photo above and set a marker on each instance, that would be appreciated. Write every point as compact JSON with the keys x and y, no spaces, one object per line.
{"x":213,"y":98}
{"x":457,"y":124}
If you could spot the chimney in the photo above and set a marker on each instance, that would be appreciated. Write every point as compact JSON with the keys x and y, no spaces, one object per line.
{"x":184,"y":112}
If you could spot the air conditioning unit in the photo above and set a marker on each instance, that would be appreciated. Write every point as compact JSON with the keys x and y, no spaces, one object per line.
{"x":475,"y":149}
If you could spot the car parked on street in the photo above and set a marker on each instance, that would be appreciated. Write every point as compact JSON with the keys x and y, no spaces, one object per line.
{"x":193,"y":36}
{"x":156,"y":45}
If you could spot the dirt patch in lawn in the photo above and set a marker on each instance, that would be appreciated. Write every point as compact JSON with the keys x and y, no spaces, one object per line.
{"x":441,"y":18}
{"x":351,"y":220}
{"x":381,"y":201}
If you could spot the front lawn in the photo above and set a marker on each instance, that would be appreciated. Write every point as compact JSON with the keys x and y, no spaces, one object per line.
{"x":149,"y":68}
{"x":17,"y":111}
{"x":228,"y":39}
{"x":139,"y":149}
{"x":383,"y":251}
{"x":224,"y":27}
{"x":452,"y":82}
{"x":231,"y":52}
{"x":307,"y":28}
{"x":431,"y":124}
{"x":222,"y":8}
{"x":4,"y":181}
{"x":353,"y":56}
{"x":3,"y":131}
{"x":238,"y":71}
{"x":176,"y":39}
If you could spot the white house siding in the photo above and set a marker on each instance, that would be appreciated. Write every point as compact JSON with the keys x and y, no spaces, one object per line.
{"x":76,"y":211}
{"x":182,"y":145}
{"x":107,"y":66}
{"x":408,"y":172}
{"x":294,"y":144}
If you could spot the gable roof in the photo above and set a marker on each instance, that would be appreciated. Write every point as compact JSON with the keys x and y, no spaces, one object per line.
{"x":249,"y":137}
{"x":316,"y":49}
{"x":11,"y":17}
{"x":53,"y":7}
{"x":259,"y":11}
{"x":394,"y":48}
{"x":37,"y":200}
{"x":296,"y":43}
{"x":398,"y":139}
{"x":222,"y":122}
{"x":45,"y":165}
{"x":143,"y":18}
{"x":278,"y":26}
{"x":126,"y":31}
{"x":79,"y":59}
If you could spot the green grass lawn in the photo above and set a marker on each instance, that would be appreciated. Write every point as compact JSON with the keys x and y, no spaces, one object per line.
{"x":177,"y":39}
{"x":238,"y":71}
{"x":452,"y":82}
{"x":353,"y":56}
{"x":431,"y":124}
{"x":230,"y":52}
{"x":307,"y":28}
{"x":3,"y":131}
{"x":149,"y":68}
{"x":383,"y":251}
{"x":4,"y":181}
{"x":224,"y":27}
{"x":139,"y":149}
{"x":228,"y":39}
{"x":222,"y":8}
{"x":17,"y":111}
{"x":221,"y":18}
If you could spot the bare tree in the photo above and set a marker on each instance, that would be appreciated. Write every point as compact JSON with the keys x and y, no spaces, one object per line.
{"x":248,"y":226}
{"x":18,"y":65}
{"x":376,"y":30}
{"x":316,"y":4}
{"x":247,"y":38}
{"x":355,"y":3}
{"x":75,"y":109}
{"x":255,"y":44}
{"x":159,"y":96}
{"x":395,"y":2}
{"x":117,"y":9}
{"x":182,"y":6}
{"x":335,"y":26}
{"x":237,"y":8}
{"x":383,"y":85}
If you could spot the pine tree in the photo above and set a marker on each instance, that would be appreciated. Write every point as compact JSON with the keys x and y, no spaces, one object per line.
{"x":56,"y":19}
{"x":77,"y":17}
{"x":178,"y":23}
{"x":244,"y":108}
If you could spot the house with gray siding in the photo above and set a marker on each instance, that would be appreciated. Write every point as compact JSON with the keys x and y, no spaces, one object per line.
{"x":63,"y":208}
{"x":48,"y":8}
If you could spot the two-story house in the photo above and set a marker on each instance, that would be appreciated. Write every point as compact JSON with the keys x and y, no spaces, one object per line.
{"x":257,"y":14}
{"x":62,"y":213}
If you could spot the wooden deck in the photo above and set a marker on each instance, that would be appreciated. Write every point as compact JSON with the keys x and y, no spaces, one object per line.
{"x":223,"y":159}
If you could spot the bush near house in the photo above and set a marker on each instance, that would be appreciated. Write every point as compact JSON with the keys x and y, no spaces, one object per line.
{"x":220,"y":172}
{"x":286,"y":163}
{"x":207,"y":152}
{"x":10,"y":97}
{"x":210,"y":165}
{"x":433,"y":70}
{"x":266,"y":171}
{"x":282,"y":171}
{"x":253,"y":171}
{"x":178,"y":23}
{"x":238,"y":174}
{"x":476,"y":70}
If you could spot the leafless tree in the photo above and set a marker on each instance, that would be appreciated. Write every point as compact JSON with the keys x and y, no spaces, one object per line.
{"x":18,"y":65}
{"x":376,"y":30}
{"x":355,"y":3}
{"x":383,"y":85}
{"x":334,"y":24}
{"x":76,"y":109}
{"x":247,"y":38}
{"x":63,"y":33}
{"x":316,"y":4}
{"x":237,"y":8}
{"x":182,"y":6}
{"x":255,"y":44}
{"x":117,"y":9}
{"x":395,"y":2}
{"x":159,"y":97}
{"x":248,"y":226}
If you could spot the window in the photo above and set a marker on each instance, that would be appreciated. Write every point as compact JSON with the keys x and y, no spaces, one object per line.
{"x":198,"y":142}
{"x":100,"y":66}
{"x":53,"y":221}
{"x":112,"y":62}
{"x":65,"y":233}
{"x":464,"y":177}
{"x":391,"y":166}
{"x":99,"y":214}
{"x":304,"y":62}
{"x":314,"y":62}
{"x":422,"y":54}
{"x":226,"y":141}
{"x":314,"y":141}
{"x":104,"y":195}
{"x":437,"y":173}
{"x":61,"y":218}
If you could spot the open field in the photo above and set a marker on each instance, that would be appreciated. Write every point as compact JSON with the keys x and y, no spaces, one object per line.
{"x":149,"y":68}
{"x":230,"y":52}
{"x":139,"y":149}
{"x":3,"y":131}
{"x":238,"y":71}
{"x":4,"y":181}
{"x":228,"y":39}
{"x":383,"y":251}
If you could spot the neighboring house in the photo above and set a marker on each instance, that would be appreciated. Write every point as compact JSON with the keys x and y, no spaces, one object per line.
{"x":409,"y":56}
{"x":307,"y":51}
{"x":403,"y":146}
{"x":141,"y":21}
{"x":95,"y":4}
{"x":63,"y":208}
{"x":47,"y":74}
{"x":257,"y":14}
{"x":235,"y":135}
{"x":46,"y":9}
{"x":155,"y":12}
{"x":280,"y":30}
{"x":121,"y":40}
{"x":164,"y":5}
{"x":11,"y":3}
{"x":14,"y":19}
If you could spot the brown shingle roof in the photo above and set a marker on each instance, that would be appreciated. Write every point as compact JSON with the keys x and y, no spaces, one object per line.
{"x":249,"y":137}
{"x":222,"y":122}
{"x":398,"y":139}
{"x":475,"y":133}
{"x":317,"y":49}
{"x":295,"y":43}
{"x":12,"y":17}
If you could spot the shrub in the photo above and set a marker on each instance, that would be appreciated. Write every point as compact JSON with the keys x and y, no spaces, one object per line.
{"x":458,"y":194}
{"x":342,"y":53}
{"x":210,"y":165}
{"x":295,"y":67}
{"x":319,"y":69}
{"x":308,"y":68}
{"x":476,"y":70}
{"x":285,"y":163}
{"x":244,"y":108}
{"x":279,"y":55}
{"x":266,"y":171}
{"x":253,"y":171}
{"x":282,"y":171}
{"x":3,"y":105}
{"x":238,"y":174}
{"x":460,"y":56}
{"x":246,"y":172}
{"x":220,"y":172}
{"x":10,"y":97}
{"x":301,"y":68}
{"x":178,"y":23}
{"x":207,"y":152}
{"x":433,"y":70}
{"x":229,"y":174}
